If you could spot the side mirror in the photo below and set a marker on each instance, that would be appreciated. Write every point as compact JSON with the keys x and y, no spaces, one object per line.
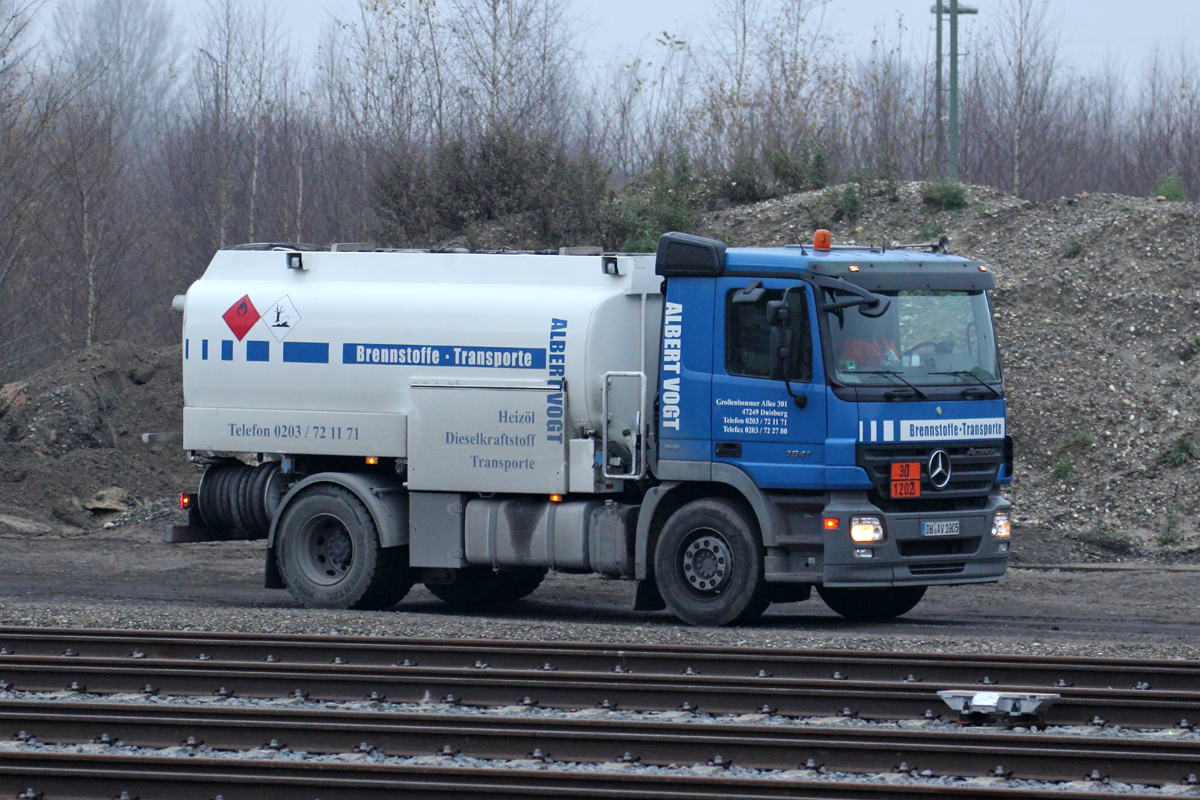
{"x":781,"y":339}
{"x":777,"y":312}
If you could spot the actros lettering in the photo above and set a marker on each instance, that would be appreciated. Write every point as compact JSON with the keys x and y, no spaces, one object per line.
{"x":558,"y":371}
{"x":671,"y":359}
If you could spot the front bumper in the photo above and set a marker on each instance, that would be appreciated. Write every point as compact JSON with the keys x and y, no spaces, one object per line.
{"x":905,"y":557}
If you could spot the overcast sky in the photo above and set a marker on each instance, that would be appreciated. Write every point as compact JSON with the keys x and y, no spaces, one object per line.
{"x":1089,"y":28}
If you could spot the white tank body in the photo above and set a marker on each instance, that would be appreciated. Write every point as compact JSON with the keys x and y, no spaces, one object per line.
{"x":335,"y":358}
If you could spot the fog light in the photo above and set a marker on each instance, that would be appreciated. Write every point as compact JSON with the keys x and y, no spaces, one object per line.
{"x":1002,"y":547}
{"x":864,"y":552}
{"x":1000,"y":525}
{"x":866,"y":529}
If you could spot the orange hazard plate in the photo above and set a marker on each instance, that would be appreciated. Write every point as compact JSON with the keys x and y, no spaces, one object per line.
{"x":906,"y":479}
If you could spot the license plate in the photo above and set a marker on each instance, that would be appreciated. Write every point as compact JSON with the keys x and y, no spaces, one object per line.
{"x":945,"y":528}
{"x":906,"y":489}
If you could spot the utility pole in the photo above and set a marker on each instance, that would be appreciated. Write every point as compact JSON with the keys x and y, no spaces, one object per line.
{"x":937,"y":89}
{"x":939,"y":9}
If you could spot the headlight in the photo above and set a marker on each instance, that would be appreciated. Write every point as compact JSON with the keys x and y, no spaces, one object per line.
{"x":1001,"y":528}
{"x":865,"y":530}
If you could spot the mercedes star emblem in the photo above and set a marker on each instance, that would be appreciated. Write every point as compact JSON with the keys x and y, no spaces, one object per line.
{"x":939,"y":469}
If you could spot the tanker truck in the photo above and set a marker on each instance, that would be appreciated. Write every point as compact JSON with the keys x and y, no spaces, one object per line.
{"x":728,"y":427}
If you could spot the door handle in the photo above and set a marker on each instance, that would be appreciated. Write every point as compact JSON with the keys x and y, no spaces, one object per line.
{"x":729,"y":449}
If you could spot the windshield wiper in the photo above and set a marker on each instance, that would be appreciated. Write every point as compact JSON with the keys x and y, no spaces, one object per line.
{"x":893,"y":374}
{"x":968,"y":373}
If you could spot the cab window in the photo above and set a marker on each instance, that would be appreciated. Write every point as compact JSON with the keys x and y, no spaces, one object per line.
{"x":748,"y":336}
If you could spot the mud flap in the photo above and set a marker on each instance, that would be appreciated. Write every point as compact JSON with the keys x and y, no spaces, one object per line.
{"x":187,"y":534}
{"x":272,"y":579}
{"x":647,"y":597}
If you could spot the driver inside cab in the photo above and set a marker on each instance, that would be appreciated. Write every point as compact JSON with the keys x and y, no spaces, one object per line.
{"x":866,"y":343}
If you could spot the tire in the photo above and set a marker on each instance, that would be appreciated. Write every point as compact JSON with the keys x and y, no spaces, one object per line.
{"x":241,"y":500}
{"x":709,"y":564}
{"x":258,"y":504}
{"x":221,"y":490}
{"x":519,"y":584}
{"x":327,"y":548}
{"x":207,"y":499}
{"x":472,"y":587}
{"x":872,"y":605}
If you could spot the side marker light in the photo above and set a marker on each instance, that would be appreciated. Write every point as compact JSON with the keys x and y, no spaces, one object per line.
{"x":372,"y":460}
{"x":185,"y":501}
{"x":556,"y":498}
{"x":831,"y":523}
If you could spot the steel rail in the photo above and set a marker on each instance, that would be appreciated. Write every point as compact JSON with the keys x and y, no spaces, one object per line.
{"x":491,"y":687}
{"x":99,"y":776}
{"x":758,"y":746}
{"x":999,"y":670}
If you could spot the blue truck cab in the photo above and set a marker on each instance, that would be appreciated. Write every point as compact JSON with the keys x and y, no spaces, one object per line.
{"x":850,"y":401}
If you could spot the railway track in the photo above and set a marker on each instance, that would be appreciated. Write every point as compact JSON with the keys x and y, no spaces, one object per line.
{"x":443,"y":674}
{"x":642,"y":659}
{"x":1163,"y":694}
{"x":145,"y":777}
{"x":754,"y":746}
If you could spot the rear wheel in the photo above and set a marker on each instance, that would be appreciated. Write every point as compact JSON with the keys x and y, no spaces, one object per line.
{"x":872,"y":605}
{"x":518,"y":584}
{"x":328,"y":552}
{"x":709,"y":564}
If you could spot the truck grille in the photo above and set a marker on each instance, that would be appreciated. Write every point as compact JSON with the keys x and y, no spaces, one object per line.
{"x":973,"y":468}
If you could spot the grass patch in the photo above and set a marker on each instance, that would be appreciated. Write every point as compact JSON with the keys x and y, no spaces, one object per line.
{"x":1170,"y":187}
{"x":1073,"y":249}
{"x":1077,"y":441}
{"x":848,"y":203}
{"x":944,"y":194}
{"x":1109,"y":538}
{"x":1170,"y":533}
{"x":930,"y":231}
{"x":1062,"y":469}
{"x":1181,"y":452}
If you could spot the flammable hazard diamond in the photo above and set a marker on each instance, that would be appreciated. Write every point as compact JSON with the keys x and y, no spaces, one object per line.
{"x":241,"y":317}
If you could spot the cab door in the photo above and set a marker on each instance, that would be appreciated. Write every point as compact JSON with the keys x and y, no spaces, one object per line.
{"x":757,"y":424}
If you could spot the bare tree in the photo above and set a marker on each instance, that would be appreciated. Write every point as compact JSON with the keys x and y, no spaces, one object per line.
{"x":1017,"y":73}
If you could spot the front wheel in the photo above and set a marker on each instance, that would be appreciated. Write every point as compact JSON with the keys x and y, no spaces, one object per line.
{"x":872,"y":605}
{"x":709,"y":564}
{"x":329,"y":556}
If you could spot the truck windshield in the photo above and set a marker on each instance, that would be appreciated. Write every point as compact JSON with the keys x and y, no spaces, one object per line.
{"x":924,"y":338}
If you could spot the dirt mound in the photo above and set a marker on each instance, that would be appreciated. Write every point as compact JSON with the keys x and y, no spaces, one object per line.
{"x":1098,"y":315}
{"x":71,"y":434}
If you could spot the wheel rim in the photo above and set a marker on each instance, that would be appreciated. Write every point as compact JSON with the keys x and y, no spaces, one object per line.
{"x":326,"y":550}
{"x":705,"y":563}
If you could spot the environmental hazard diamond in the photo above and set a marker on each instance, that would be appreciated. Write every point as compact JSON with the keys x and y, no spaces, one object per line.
{"x":281,"y":317}
{"x":241,"y":317}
